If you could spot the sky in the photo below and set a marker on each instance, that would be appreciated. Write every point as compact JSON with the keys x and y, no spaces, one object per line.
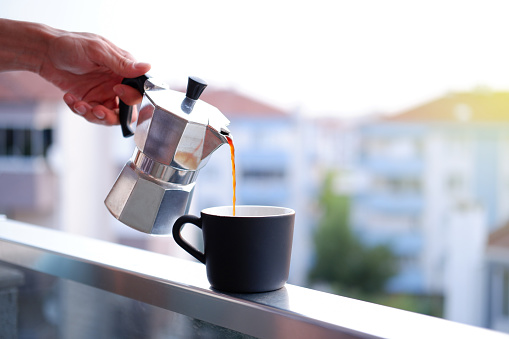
{"x":342,"y":58}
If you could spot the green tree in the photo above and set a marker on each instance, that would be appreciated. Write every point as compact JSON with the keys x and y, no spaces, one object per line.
{"x":341,"y":260}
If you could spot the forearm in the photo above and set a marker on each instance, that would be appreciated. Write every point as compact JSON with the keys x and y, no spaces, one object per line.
{"x":24,"y":45}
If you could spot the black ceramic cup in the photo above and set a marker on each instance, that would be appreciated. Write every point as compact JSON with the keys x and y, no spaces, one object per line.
{"x":246,"y":253}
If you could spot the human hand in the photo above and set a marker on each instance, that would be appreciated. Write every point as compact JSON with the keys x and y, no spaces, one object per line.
{"x":90,"y":69}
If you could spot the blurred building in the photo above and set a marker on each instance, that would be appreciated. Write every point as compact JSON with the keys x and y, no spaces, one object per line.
{"x":438,"y":183}
{"x":497,"y":287}
{"x":55,"y":168}
{"x":28,"y":116}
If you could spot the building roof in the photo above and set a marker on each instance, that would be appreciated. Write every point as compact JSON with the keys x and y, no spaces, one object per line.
{"x":476,"y":106}
{"x":234,"y":104}
{"x":499,"y":237}
{"x":497,"y":247}
{"x":25,"y":86}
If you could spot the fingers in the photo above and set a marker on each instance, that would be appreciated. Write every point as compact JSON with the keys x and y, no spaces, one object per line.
{"x":92,"y":112}
{"x":99,"y":114}
{"x":104,"y":116}
{"x":127,"y":94}
{"x":121,"y":62}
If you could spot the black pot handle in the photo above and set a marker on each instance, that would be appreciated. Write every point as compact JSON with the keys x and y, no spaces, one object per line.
{"x":125,"y":112}
{"x":178,"y":226}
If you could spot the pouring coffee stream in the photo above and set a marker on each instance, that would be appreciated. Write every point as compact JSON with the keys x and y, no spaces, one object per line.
{"x":234,"y":180}
{"x":175,"y":135}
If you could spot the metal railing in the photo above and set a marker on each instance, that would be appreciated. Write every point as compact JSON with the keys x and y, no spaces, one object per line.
{"x":181,"y":286}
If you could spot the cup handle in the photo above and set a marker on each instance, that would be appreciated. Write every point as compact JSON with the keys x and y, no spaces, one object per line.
{"x":178,"y":226}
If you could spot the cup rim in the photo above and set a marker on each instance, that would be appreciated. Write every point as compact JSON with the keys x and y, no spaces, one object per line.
{"x":258,"y":211}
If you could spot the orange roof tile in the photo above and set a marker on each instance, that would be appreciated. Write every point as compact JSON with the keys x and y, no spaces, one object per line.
{"x":499,"y":237}
{"x":477,"y":106}
{"x":234,"y":104}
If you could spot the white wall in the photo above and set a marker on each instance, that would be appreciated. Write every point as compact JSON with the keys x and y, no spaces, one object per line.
{"x":465,"y":272}
{"x":84,"y":162}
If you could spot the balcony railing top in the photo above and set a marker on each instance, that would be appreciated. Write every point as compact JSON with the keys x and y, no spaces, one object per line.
{"x":181,"y":286}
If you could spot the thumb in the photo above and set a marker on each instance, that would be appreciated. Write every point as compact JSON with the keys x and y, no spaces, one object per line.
{"x":125,"y":66}
{"x":134,"y":69}
{"x":129,"y":68}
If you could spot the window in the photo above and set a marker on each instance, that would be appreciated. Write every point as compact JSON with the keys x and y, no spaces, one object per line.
{"x":505,"y":291}
{"x":400,"y":185}
{"x":25,"y":142}
{"x":393,"y":147}
{"x":263,"y":174}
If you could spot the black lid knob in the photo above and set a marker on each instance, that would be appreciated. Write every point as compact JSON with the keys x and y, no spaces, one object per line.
{"x":195,"y":87}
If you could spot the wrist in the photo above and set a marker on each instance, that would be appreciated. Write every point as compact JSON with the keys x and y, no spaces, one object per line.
{"x":26,"y":45}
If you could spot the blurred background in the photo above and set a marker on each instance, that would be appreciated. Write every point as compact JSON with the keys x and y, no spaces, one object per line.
{"x":385,"y":125}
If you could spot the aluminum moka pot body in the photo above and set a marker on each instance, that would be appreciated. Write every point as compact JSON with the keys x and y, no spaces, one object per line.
{"x":175,"y":135}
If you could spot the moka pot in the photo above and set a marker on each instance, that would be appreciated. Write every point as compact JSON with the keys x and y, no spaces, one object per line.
{"x":175,"y":135}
